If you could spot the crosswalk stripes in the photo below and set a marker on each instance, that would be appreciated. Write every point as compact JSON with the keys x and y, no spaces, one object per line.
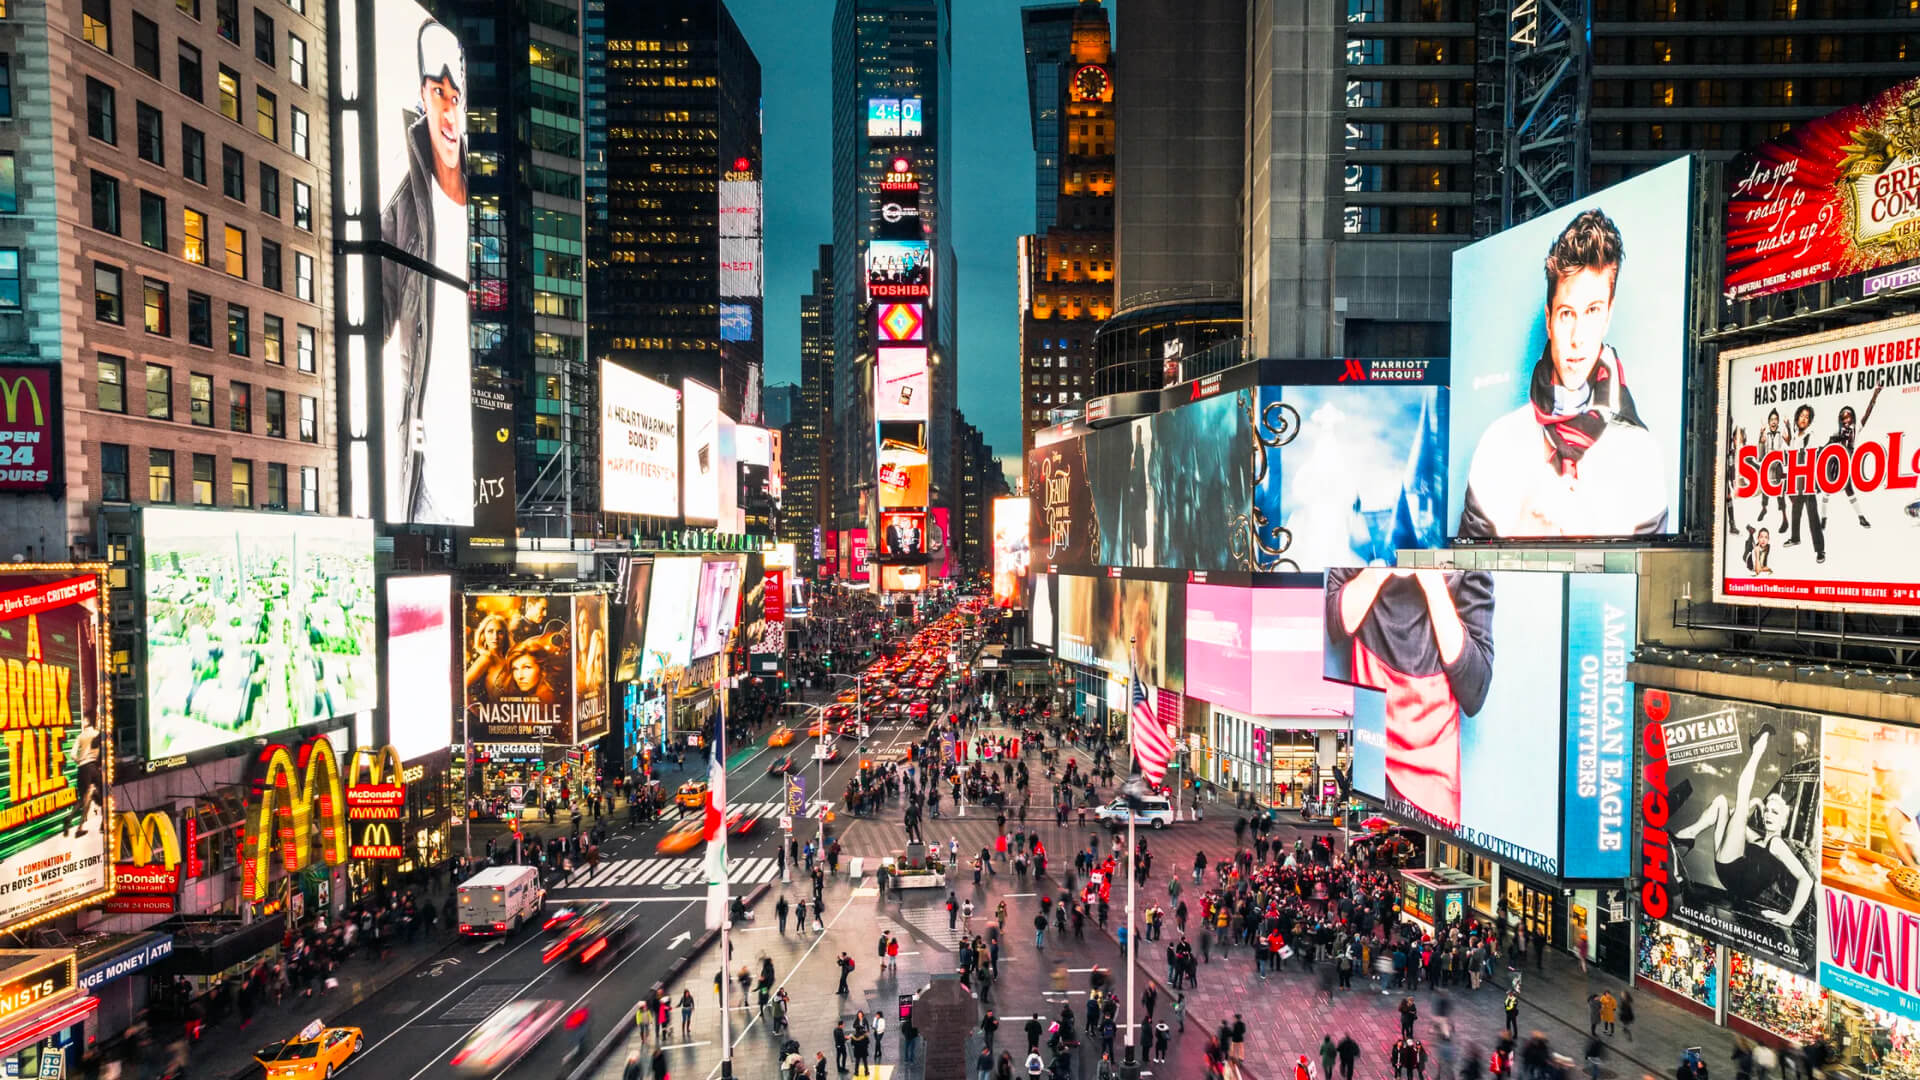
{"x":668,"y":873}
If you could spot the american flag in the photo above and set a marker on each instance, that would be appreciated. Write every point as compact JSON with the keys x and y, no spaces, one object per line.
{"x":1152,"y":736}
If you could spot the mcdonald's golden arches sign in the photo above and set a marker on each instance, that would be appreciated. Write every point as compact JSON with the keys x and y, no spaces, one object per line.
{"x":29,"y":428}
{"x":295,"y":794}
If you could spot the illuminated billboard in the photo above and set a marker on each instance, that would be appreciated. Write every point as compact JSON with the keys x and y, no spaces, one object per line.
{"x":900,"y":383}
{"x":716,"y":605}
{"x":535,"y":667}
{"x":29,"y":428}
{"x":1568,"y":402}
{"x":1863,"y":790}
{"x":903,"y":533}
{"x":1012,"y":557}
{"x":736,"y":322}
{"x":590,"y":697}
{"x":255,"y":623}
{"x":700,"y":453}
{"x":1830,"y":198}
{"x":420,"y":708}
{"x":753,"y":445}
{"x":54,"y":828}
{"x":883,"y":118}
{"x":896,"y":211}
{"x":896,"y":322}
{"x":639,"y":444}
{"x":1818,"y":480}
{"x":669,"y":629}
{"x":740,"y":266}
{"x":492,"y":537}
{"x":911,"y":123}
{"x":1167,"y":489}
{"x":903,"y":578}
{"x":1257,"y":651}
{"x":728,"y":474}
{"x":739,"y":208}
{"x":898,"y":269}
{"x":635,"y":583}
{"x":903,"y":466}
{"x":1098,"y":616}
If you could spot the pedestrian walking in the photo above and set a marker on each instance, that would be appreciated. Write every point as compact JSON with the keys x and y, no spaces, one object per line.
{"x":1349,"y":1052}
{"x":1626,"y":1014}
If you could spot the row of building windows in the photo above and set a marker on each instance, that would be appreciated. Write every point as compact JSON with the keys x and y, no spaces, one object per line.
{"x":105,"y":204}
{"x":190,"y":77}
{"x":110,"y":395}
{"x":1718,"y":10}
{"x":151,"y":145}
{"x":96,"y":28}
{"x":1726,"y":93}
{"x":156,"y":314}
{"x":116,"y":480}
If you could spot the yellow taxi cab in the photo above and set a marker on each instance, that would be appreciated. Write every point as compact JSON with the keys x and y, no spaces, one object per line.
{"x":316,"y":1052}
{"x":782,"y":736}
{"x":846,"y":695}
{"x":820,"y":729}
{"x":692,"y":794}
{"x":683,"y":837}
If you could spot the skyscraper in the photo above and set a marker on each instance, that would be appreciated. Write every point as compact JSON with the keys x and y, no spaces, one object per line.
{"x":809,"y":440}
{"x":675,"y":249}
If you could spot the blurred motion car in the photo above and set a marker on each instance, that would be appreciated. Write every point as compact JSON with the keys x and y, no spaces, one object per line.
{"x":507,"y":1036}
{"x":782,"y":736}
{"x":593,"y":937}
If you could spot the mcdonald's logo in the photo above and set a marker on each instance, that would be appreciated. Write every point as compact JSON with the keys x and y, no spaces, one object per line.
{"x":136,"y":839}
{"x":10,"y":397}
{"x":382,"y":794}
{"x":376,"y":842}
{"x":284,"y":811}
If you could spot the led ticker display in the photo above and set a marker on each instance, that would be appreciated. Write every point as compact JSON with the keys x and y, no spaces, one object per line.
{"x":898,"y":269}
{"x":896,"y":322}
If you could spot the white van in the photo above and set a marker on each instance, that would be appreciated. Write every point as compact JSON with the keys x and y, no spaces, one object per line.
{"x":499,"y":900}
{"x":1156,"y":811}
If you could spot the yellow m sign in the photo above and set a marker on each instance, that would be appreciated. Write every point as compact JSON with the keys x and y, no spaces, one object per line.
{"x":286,"y":799}
{"x":135,"y":839}
{"x":10,"y":393}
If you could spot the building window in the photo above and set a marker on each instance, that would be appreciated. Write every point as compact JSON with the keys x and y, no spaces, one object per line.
{"x":298,"y":119}
{"x":106,"y":294}
{"x":236,"y":241}
{"x":200,"y":320}
{"x":242,"y":483}
{"x":9,"y":277}
{"x":160,"y":476}
{"x":100,"y":123}
{"x":157,"y":304}
{"x":159,"y":392}
{"x":297,"y":59}
{"x":148,"y":132}
{"x":193,"y":154}
{"x":229,"y":83}
{"x":240,"y":406}
{"x":193,"y":224}
{"x":303,"y":348}
{"x":106,"y":202}
{"x":266,"y":114}
{"x":276,"y":486}
{"x":276,"y":406}
{"x":233,"y":173}
{"x":96,"y":24}
{"x":9,"y":184}
{"x":146,"y":45}
{"x":303,"y":276}
{"x":239,"y":330}
{"x":110,"y":384}
{"x":200,"y":399}
{"x":264,"y":35}
{"x":302,"y":206}
{"x":269,"y":190}
{"x":226,"y":14}
{"x":153,"y":221}
{"x":309,"y":489}
{"x":309,"y":420}
{"x":193,"y":81}
{"x":6,"y":84}
{"x":113,"y":472}
{"x":272,"y":330}
{"x":270,"y":264}
{"x":203,"y":479}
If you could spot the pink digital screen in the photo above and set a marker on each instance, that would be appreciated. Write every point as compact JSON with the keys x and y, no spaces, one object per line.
{"x":1257,"y":651}
{"x":1220,"y":645}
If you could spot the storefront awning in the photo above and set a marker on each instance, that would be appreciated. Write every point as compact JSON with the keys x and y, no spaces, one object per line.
{"x":54,"y":1018}
{"x":204,"y":946}
{"x":117,"y":955}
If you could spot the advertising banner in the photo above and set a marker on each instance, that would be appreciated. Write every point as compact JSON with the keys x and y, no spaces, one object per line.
{"x":1099,"y":615}
{"x":740,"y":266}
{"x":255,"y":623}
{"x":29,"y":428}
{"x":1820,"y":486}
{"x":1063,"y":531}
{"x":727,"y":474}
{"x":736,"y":322}
{"x":899,"y":322}
{"x":1257,"y":651}
{"x":883,"y":118}
{"x":1830,"y":198}
{"x":1172,"y":489}
{"x":903,"y":466}
{"x":1012,"y":558}
{"x":1042,"y":624}
{"x":639,"y":444}
{"x":1345,"y":475}
{"x":898,"y":269}
{"x":420,"y":709}
{"x":1568,"y":403}
{"x":903,"y":578}
{"x":635,"y":585}
{"x":896,"y":211}
{"x":900,"y":383}
{"x":1601,"y":615}
{"x":670,"y":604}
{"x":903,"y":534}
{"x":700,"y":453}
{"x":939,"y":542}
{"x":1472,"y":734}
{"x":739,"y":208}
{"x":717,"y":607}
{"x":591,"y":702}
{"x":58,"y":725}
{"x":492,"y":538}
{"x":1728,"y":814}
{"x":856,"y":553}
{"x":419,"y":99}
{"x":519,"y":667}
{"x":1870,"y":862}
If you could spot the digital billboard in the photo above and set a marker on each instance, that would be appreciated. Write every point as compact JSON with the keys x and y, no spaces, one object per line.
{"x":1062,"y":531}
{"x":1602,"y":614}
{"x":1098,"y":615}
{"x":519,"y":667}
{"x":716,"y":606}
{"x":753,"y":445}
{"x":54,"y":827}
{"x":911,"y":123}
{"x":417,"y":89}
{"x":420,"y":708}
{"x":898,"y":269}
{"x":883,"y":118}
{"x":670,"y":604}
{"x":1869,"y":858}
{"x":740,"y":266}
{"x":898,"y":322}
{"x":939,"y":542}
{"x":1817,"y":487}
{"x":1830,"y":198}
{"x":1012,"y":558}
{"x":856,"y":552}
{"x":590,"y":698}
{"x":1473,"y":726}
{"x":1041,"y":628}
{"x":1729,"y":818}
{"x":902,"y":466}
{"x":700,"y":453}
{"x":903,"y":578}
{"x":29,"y":428}
{"x":1168,"y":489}
{"x":1348,"y":474}
{"x":634,"y":586}
{"x":255,"y":623}
{"x":727,"y":476}
{"x":1257,"y":651}
{"x":900,"y":383}
{"x":639,"y":444}
{"x":1568,"y":402}
{"x":739,"y":208}
{"x":494,"y":528}
{"x":896,"y":211}
{"x":903,"y":533}
{"x":736,"y":322}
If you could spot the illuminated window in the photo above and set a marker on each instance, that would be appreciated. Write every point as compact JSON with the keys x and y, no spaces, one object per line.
{"x":96,"y":17}
{"x":266,"y":115}
{"x":229,"y":83}
{"x":236,"y":240}
{"x":194,"y":224}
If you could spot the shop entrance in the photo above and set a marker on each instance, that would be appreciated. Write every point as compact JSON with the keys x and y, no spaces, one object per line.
{"x":1536,"y":909}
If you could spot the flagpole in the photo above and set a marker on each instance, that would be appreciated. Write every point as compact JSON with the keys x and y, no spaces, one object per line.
{"x":726,"y":922}
{"x":1130,"y":1067}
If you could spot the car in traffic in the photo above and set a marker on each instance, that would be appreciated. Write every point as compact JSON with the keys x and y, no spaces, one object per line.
{"x":689,"y":834}
{"x":781,"y":765}
{"x":505,"y":1037}
{"x":567,"y":915}
{"x":314,"y":1053}
{"x":591,"y":938}
{"x":820,"y":729}
{"x":782,"y":736}
{"x":1155,"y":811}
{"x":692,"y":794}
